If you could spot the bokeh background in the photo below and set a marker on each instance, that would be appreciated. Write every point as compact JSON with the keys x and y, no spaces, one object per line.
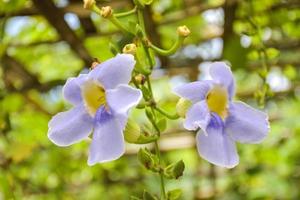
{"x":42,"y":43}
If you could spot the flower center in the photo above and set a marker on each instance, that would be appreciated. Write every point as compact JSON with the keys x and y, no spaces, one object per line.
{"x":93,"y":95}
{"x":217,"y":99}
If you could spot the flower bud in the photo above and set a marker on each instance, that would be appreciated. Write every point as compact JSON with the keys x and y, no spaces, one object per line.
{"x":145,"y":158}
{"x":140,"y":79}
{"x":132,"y":131}
{"x":182,"y":107}
{"x":106,"y":11}
{"x":88,"y":4}
{"x":174,"y":170}
{"x":130,"y":49}
{"x":183,"y":31}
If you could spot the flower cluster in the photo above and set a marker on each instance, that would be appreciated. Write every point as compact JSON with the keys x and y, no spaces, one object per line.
{"x":102,"y":99}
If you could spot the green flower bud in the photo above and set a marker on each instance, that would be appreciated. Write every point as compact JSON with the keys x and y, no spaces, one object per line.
{"x":145,"y":157}
{"x":183,"y":31}
{"x":129,"y":49}
{"x":182,"y":107}
{"x":132,"y":131}
{"x":174,"y":170}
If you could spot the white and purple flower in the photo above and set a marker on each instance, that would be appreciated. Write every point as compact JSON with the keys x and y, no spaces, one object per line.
{"x":101,"y":100}
{"x":222,"y":122}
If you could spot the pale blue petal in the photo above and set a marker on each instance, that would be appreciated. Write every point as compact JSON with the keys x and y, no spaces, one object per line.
{"x":221,"y":74}
{"x":114,"y":71}
{"x":216,"y":146}
{"x":197,"y":116}
{"x":71,"y":89}
{"x":246,"y":124}
{"x":108,"y":141}
{"x":195,"y":91}
{"x":70,"y":127}
{"x":123,"y":98}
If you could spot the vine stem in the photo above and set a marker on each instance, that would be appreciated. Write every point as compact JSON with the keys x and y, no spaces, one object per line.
{"x":162,"y":183}
{"x":157,"y":150}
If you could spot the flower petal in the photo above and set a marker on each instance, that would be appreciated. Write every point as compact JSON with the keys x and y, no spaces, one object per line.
{"x":197,"y":116}
{"x":246,"y":124}
{"x":114,"y":71}
{"x":71,"y":89}
{"x":122,"y":98}
{"x":195,"y":91}
{"x":108,"y":140}
{"x":70,"y":127}
{"x":221,"y":74}
{"x":216,"y":146}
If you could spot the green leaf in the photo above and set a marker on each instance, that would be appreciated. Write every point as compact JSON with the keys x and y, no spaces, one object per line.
{"x":162,"y":124}
{"x":148,"y":196}
{"x":135,"y":198}
{"x":174,"y":194}
{"x":149,"y":160}
{"x":174,"y":170}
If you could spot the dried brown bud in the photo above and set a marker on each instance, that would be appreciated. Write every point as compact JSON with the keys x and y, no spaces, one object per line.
{"x":183,"y":31}
{"x":88,"y":4}
{"x":106,"y":11}
{"x":140,"y":79}
{"x":95,"y":63}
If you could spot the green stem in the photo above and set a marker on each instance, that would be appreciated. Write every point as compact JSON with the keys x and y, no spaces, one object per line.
{"x":170,"y":51}
{"x":125,"y":14}
{"x":113,"y":19}
{"x":162,"y":183}
{"x":153,"y":121}
{"x":175,"y":116}
{"x":118,"y":24}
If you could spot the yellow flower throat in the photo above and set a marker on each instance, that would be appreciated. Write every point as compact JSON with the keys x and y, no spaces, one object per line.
{"x":93,"y":95}
{"x":217,"y":99}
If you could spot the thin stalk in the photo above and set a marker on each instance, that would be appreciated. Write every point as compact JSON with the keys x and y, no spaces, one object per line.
{"x":118,"y":24}
{"x":175,"y":116}
{"x":125,"y":14}
{"x":162,"y":183}
{"x":167,"y":52}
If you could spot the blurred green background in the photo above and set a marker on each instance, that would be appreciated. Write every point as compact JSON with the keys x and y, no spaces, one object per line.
{"x":42,"y":43}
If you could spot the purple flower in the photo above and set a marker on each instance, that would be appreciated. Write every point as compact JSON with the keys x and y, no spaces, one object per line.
{"x":222,"y":122}
{"x":101,"y":100}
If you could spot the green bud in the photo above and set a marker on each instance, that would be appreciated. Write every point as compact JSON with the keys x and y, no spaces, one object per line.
{"x":129,"y":49}
{"x":182,"y":107}
{"x":183,"y":31}
{"x":174,"y":170}
{"x":132,"y":131}
{"x":145,"y":158}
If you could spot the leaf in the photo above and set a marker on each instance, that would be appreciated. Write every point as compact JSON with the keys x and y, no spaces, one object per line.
{"x":162,"y":124}
{"x":148,"y":196}
{"x":174,"y":194}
